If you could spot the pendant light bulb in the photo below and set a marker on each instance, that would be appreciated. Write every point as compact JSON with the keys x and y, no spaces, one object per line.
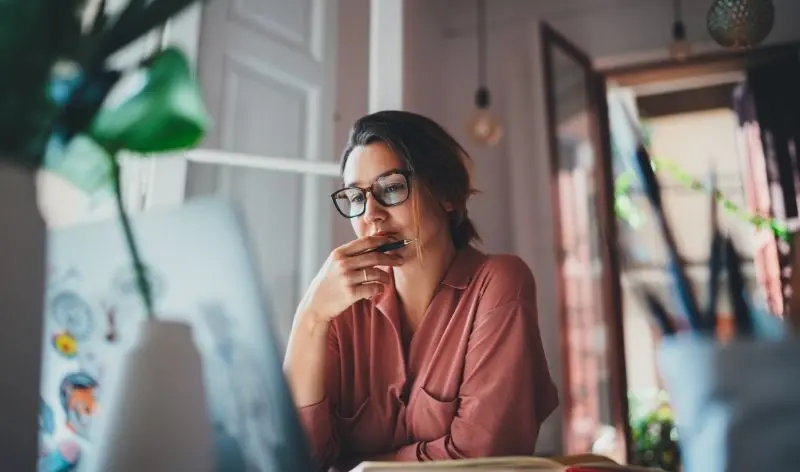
{"x":484,"y":127}
{"x":680,"y":50}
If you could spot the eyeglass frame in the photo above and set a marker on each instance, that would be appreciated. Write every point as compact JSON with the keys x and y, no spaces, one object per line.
{"x":407,"y":174}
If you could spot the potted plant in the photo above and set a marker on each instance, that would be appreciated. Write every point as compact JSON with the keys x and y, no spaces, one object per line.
{"x":55,"y":80}
{"x":653,"y":431}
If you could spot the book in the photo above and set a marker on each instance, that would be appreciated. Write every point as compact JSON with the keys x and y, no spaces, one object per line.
{"x":484,"y":464}
{"x":506,"y":464}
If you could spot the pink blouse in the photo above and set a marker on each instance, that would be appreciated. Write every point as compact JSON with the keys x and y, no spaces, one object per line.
{"x":473,"y":381}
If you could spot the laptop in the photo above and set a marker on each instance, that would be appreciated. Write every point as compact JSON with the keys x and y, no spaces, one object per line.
{"x":199,"y":264}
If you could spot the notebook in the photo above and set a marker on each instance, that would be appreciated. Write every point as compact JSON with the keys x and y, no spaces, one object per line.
{"x":199,"y":264}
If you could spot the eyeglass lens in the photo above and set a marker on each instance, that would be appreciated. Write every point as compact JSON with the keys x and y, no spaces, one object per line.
{"x":388,"y":190}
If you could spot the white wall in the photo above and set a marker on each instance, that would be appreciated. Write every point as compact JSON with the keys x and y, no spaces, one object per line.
{"x":513,"y":211}
{"x":610,"y":30}
{"x":352,"y":79}
{"x":352,"y":84}
{"x":422,"y":79}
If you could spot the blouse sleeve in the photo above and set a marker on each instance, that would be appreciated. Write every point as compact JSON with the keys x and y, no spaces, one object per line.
{"x":507,"y":391}
{"x":317,"y":419}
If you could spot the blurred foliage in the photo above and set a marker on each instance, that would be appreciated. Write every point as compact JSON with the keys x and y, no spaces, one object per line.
{"x":653,"y":431}
{"x":55,"y":79}
{"x":34,"y":36}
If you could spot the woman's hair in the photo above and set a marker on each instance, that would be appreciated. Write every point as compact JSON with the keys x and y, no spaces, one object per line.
{"x":440,"y":165}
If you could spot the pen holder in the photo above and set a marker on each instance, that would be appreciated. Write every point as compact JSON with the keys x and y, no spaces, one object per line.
{"x":737,"y":407}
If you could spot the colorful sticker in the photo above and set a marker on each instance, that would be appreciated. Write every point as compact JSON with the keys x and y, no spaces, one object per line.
{"x":78,"y":395}
{"x":46,"y":422}
{"x":65,"y":344}
{"x":64,"y":458}
{"x":73,"y":314}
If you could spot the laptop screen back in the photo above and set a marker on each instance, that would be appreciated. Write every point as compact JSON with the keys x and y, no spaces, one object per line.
{"x":201,"y":273}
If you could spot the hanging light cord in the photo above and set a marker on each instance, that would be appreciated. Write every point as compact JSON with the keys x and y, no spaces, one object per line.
{"x":482,"y":94}
{"x":481,"y":18}
{"x":678,"y":28}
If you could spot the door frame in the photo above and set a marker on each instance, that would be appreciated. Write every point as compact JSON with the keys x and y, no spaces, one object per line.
{"x":709,"y":63}
{"x":161,"y":182}
{"x":611,"y":287}
{"x":164,"y":184}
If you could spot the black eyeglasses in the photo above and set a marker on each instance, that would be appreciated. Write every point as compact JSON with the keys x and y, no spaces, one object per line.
{"x":389,"y":189}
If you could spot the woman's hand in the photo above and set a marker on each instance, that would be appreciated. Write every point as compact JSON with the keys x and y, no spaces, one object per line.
{"x":347,"y":277}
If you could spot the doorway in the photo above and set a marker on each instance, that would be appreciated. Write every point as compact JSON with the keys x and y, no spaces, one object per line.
{"x":268,"y":76}
{"x":606,"y":252}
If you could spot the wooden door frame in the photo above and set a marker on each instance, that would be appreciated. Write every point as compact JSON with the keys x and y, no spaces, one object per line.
{"x":701,"y":64}
{"x":597,"y":82}
{"x":612,"y":292}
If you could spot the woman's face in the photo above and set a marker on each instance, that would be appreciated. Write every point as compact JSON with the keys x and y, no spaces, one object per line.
{"x":364,"y":166}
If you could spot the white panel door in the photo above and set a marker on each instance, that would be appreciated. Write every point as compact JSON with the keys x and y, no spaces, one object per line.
{"x":267,"y":70}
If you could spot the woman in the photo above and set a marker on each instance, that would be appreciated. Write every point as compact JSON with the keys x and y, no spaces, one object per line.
{"x":428,"y":352}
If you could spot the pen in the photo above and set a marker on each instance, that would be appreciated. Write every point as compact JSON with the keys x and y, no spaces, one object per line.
{"x":742,"y":318}
{"x":677,"y":268}
{"x":647,"y":178}
{"x":659,"y":314}
{"x":387,"y":247}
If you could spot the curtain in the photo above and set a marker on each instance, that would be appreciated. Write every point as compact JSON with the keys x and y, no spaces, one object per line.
{"x":768,"y":107}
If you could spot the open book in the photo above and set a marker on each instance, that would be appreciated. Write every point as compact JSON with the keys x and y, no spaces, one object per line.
{"x":504,"y":464}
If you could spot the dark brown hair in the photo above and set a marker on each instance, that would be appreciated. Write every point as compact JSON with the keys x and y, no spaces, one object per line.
{"x":440,"y":165}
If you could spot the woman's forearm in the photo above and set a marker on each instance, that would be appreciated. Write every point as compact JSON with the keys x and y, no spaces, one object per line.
{"x":386,"y":457}
{"x":304,"y":363}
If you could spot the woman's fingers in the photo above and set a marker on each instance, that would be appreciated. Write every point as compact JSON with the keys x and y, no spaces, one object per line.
{"x":363,"y":291}
{"x":371,"y":259}
{"x":361,"y":244}
{"x":368,"y":275}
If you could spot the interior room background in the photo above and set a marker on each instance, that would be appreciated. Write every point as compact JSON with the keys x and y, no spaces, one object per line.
{"x":284,"y":79}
